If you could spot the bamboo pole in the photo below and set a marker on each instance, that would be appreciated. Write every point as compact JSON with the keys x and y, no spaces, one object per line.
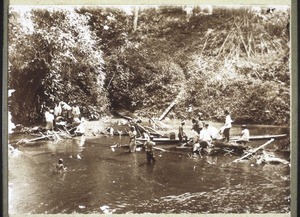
{"x":150,"y":128}
{"x":255,"y":150}
{"x":221,"y":48}
{"x":204,"y":46}
{"x":39,"y":138}
{"x":242,"y":38}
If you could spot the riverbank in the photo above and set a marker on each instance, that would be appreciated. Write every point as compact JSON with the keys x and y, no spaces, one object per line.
{"x":96,"y":128}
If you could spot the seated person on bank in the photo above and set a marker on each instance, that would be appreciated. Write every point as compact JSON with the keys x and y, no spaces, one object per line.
{"x":205,"y":136}
{"x":245,"y":135}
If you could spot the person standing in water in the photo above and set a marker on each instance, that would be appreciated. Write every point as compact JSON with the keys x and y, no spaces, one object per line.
{"x":132,"y":135}
{"x":149,"y":150}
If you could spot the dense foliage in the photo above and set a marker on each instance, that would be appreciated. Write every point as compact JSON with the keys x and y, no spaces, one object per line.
{"x":53,"y":57}
{"x":212,"y":58}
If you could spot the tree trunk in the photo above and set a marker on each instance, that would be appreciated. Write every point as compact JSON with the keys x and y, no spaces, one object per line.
{"x":136,"y":15}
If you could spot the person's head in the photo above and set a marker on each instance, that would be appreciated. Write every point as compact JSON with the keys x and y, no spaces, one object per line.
{"x":60,"y":161}
{"x":206,"y":125}
{"x":226,"y":112}
{"x":182,"y":122}
{"x":132,"y":128}
{"x":151,"y":138}
{"x":243,"y":126}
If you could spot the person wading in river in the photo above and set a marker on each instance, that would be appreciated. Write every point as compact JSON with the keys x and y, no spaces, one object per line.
{"x":60,"y":166}
{"x":132,"y":135}
{"x":149,"y":150}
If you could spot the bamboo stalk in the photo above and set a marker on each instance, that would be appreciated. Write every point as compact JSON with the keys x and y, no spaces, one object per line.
{"x":242,"y":38}
{"x":204,"y":46}
{"x":221,"y":48}
{"x":39,"y":138}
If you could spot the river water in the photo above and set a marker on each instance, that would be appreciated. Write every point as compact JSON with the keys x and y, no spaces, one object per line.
{"x":100,"y":180}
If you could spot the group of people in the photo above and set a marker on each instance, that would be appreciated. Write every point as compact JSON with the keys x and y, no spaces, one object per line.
{"x":205,"y":134}
{"x":148,"y":145}
{"x":65,"y":115}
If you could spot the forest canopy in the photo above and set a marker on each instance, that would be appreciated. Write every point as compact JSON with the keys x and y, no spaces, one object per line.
{"x":144,"y":58}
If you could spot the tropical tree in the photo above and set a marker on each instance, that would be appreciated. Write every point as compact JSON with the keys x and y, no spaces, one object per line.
{"x":57,"y":60}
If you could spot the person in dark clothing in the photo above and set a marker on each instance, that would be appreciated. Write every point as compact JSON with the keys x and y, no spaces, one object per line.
{"x":149,"y":150}
{"x":195,"y":126}
{"x":181,"y":134}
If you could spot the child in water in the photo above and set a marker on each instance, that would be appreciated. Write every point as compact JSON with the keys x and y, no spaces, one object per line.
{"x":60,"y":166}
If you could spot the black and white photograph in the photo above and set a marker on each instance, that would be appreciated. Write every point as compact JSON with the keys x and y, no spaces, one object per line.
{"x":149,"y":109}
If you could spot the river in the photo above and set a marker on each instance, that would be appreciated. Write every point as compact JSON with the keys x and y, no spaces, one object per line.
{"x":101,"y":180}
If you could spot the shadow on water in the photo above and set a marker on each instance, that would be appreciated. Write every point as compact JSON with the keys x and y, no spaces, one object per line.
{"x":99,"y":180}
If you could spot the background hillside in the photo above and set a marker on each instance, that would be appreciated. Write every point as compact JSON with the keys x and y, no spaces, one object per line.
{"x":106,"y":59}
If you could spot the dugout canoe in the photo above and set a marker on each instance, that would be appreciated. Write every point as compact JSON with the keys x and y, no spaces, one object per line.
{"x":167,"y":140}
{"x":161,"y":140}
{"x":261,"y":137}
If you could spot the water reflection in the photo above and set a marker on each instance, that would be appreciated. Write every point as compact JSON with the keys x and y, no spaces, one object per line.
{"x":72,"y":146}
{"x":102,"y":181}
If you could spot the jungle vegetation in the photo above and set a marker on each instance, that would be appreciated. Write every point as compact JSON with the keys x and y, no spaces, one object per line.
{"x":105,"y":58}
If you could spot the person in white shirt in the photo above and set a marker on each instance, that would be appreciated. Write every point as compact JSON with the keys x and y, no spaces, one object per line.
{"x":245,"y":135}
{"x":205,"y":137}
{"x":80,"y":129}
{"x":227,"y":126}
{"x":57,"y":110}
{"x":75,"y":111}
{"x":49,"y":119}
{"x":205,"y":134}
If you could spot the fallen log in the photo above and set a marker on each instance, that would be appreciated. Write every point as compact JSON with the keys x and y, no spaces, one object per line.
{"x":36,"y":139}
{"x":167,"y":111}
{"x":155,"y":124}
{"x":254,"y":151}
{"x":268,"y":158}
{"x":151,"y":129}
{"x":160,"y":149}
